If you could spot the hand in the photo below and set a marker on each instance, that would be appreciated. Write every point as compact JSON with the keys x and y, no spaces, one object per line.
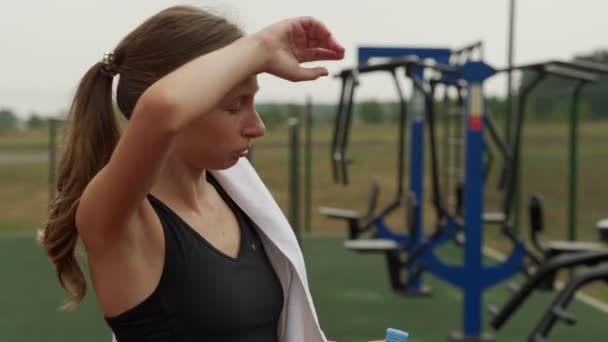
{"x":293,"y":41}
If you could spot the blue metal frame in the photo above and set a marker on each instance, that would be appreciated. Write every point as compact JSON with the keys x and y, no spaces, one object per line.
{"x":472,"y":277}
{"x":365,"y":53}
{"x":417,"y":149}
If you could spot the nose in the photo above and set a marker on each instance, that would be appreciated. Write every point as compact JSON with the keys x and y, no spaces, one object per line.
{"x":254,"y":127}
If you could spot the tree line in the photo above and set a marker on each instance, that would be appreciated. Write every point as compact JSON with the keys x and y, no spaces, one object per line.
{"x":550,"y":101}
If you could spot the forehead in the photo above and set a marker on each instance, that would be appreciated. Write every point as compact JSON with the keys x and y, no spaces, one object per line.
{"x":249,"y":85}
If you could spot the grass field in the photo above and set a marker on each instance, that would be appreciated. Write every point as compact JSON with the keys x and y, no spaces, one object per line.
{"x":34,"y":293}
{"x":23,"y":188}
{"x":351,"y":293}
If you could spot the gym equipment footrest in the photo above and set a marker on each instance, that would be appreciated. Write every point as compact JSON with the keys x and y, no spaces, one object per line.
{"x":371,"y":245}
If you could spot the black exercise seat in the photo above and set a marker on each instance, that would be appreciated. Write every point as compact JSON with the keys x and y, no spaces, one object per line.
{"x":337,"y":213}
{"x":602,"y":229}
{"x":371,"y":245}
{"x":493,"y":217}
{"x":560,"y":247}
{"x":553,"y":248}
{"x":392,"y":250}
{"x":354,"y":219}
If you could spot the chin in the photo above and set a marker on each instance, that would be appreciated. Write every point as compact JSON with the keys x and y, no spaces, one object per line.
{"x":226,"y":164}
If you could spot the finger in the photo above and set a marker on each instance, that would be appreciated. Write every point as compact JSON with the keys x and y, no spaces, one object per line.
{"x":319,"y":54}
{"x":309,"y":74}
{"x":329,"y":43}
{"x":320,"y":36}
{"x":326,"y":40}
{"x":332,"y":44}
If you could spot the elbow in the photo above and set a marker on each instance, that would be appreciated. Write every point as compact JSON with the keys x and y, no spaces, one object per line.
{"x":158,"y":106}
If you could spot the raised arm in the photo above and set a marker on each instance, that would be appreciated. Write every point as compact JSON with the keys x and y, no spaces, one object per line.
{"x":170,"y":104}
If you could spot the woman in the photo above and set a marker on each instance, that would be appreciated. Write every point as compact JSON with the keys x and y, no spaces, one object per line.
{"x":183,"y":241}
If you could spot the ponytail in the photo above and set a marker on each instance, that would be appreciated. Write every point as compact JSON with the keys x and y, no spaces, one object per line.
{"x":158,"y":46}
{"x":92,"y":134}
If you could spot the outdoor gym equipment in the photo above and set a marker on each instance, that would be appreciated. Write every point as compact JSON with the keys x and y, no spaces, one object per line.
{"x":582,"y":74}
{"x":548,"y":270}
{"x":472,"y":277}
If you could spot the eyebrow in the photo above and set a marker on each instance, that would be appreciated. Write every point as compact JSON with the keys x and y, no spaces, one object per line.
{"x":239,"y":93}
{"x":256,"y":89}
{"x":246,"y":91}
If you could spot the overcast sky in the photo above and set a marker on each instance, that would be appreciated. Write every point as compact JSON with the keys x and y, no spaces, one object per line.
{"x":48,"y":45}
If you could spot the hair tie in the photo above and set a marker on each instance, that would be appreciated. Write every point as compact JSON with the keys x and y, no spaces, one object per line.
{"x":108,"y":65}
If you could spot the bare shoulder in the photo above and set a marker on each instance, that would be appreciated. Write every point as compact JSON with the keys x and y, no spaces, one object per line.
{"x":93,"y":222}
{"x":126,"y":269}
{"x":101,"y":233}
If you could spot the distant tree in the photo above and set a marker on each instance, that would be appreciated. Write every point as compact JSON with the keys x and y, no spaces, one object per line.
{"x":496,"y":106}
{"x":370,"y":111}
{"x":551,"y":98}
{"x":324,"y":113}
{"x":272,"y":116}
{"x":600,"y":56}
{"x":392,"y":111}
{"x":292,"y":110}
{"x":36,"y":121}
{"x":8,"y":119}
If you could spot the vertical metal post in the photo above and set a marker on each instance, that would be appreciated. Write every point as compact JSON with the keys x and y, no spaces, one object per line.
{"x":473,"y":205}
{"x":511,"y":198}
{"x":294,"y":177}
{"x":509,"y":117}
{"x":416,"y":177}
{"x":52,"y":157}
{"x":447,"y":148}
{"x":510,"y":53}
{"x":308,"y":165}
{"x":338,"y":132}
{"x":401,"y":136}
{"x":573,"y":161}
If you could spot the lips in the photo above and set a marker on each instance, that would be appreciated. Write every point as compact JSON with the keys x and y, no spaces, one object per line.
{"x":243,"y":153}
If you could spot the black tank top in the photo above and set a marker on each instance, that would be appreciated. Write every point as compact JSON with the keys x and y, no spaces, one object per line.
{"x":204,"y":294}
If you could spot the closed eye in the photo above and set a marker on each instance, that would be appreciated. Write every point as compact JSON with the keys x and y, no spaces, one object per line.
{"x":235,"y":106}
{"x":234,"y":109}
{"x":241,"y":102}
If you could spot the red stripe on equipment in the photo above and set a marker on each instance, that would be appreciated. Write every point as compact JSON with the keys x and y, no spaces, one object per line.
{"x":475,"y":122}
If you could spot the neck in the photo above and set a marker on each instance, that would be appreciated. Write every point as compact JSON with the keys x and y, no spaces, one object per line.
{"x":182,"y":185}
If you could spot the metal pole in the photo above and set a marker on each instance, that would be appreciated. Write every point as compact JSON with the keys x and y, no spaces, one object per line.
{"x":52,"y":157}
{"x":573,"y":156}
{"x":510,"y":52}
{"x":294,"y":177}
{"x":308,"y":165}
{"x":509,"y":111}
{"x":511,"y":200}
{"x":446,"y":144}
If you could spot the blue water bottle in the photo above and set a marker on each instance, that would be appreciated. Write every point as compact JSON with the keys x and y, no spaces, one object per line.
{"x":394,"y":335}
